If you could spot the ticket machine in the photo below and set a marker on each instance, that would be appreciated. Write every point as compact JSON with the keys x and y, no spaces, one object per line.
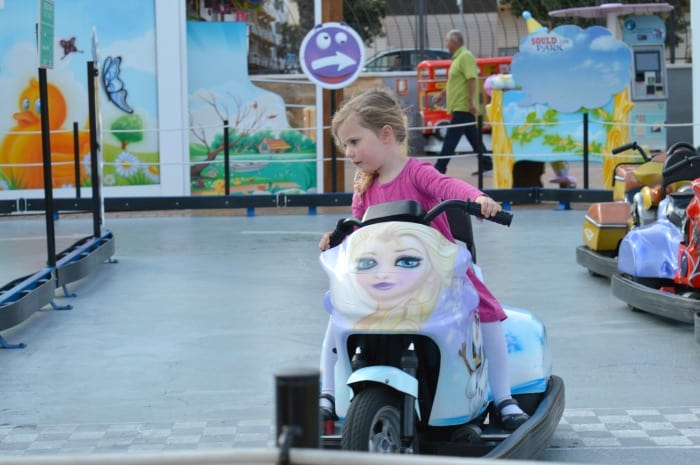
{"x":649,"y":87}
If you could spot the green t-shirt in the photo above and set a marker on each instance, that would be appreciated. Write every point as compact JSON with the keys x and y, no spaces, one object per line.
{"x":462,"y":69}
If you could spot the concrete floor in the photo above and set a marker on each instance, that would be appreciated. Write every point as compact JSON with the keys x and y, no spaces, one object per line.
{"x":175,"y":347}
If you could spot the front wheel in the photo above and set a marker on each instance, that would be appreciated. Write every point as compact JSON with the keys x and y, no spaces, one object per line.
{"x":373,"y":422}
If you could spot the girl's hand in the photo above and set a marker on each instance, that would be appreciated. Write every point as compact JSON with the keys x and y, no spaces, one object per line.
{"x":489,"y":207}
{"x":325,"y":242}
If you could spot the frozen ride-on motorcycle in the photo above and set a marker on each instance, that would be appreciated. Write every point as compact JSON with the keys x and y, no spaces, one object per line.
{"x":658,"y":264}
{"x":636,"y":194}
{"x":411,"y":374}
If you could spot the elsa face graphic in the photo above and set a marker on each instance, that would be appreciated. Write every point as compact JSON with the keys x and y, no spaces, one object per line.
{"x":390,"y":272}
{"x":397,"y":272}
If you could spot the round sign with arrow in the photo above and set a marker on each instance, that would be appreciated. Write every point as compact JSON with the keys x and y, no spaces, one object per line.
{"x":332,"y":55}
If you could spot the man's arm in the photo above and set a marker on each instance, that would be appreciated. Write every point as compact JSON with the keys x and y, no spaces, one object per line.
{"x":471,"y":74}
{"x":472,"y":94}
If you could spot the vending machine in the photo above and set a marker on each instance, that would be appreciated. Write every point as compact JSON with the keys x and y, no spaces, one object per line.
{"x":649,"y":92}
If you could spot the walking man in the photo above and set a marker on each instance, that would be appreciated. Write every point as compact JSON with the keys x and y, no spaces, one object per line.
{"x":462,"y":96}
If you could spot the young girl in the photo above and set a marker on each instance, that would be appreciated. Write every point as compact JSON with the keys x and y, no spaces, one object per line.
{"x":371,"y":128}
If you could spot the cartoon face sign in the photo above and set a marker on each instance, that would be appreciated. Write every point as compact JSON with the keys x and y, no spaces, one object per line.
{"x":332,"y":55}
{"x":392,"y":270}
{"x":394,"y":276}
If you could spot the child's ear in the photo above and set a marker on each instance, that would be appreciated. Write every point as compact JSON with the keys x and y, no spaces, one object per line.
{"x":387,"y":133}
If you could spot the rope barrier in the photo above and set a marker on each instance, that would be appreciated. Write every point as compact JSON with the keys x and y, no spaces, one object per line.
{"x":152,"y":169}
{"x":312,"y":158}
{"x":325,"y":128}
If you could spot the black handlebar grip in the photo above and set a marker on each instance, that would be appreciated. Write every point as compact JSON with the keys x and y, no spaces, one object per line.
{"x":503,"y":217}
{"x":336,"y":238}
{"x":343,"y":228}
{"x":622,"y":148}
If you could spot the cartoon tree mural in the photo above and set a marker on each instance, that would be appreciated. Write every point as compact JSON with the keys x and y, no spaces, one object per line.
{"x":298,"y":141}
{"x":243,"y":123}
{"x":128,"y":129}
{"x":534,"y":128}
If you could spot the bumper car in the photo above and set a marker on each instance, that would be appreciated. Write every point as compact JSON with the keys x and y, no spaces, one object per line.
{"x":658,"y":264}
{"x":411,"y":373}
{"x":637,"y":190}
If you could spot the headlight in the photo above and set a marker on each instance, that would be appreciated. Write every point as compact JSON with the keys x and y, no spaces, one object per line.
{"x":646,"y":197}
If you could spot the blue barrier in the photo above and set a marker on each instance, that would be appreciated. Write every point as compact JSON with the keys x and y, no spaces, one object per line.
{"x":20,"y":298}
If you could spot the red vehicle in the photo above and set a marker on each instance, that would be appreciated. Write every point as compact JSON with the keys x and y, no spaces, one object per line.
{"x":432,"y":79}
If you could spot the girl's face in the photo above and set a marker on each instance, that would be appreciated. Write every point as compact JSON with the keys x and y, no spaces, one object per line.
{"x":364,"y":147}
{"x":391,"y":271}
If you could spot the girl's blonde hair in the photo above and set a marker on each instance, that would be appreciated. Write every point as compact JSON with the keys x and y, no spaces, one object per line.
{"x":374,"y":109}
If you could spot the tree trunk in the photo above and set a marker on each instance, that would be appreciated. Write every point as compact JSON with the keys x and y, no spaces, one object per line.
{"x":196,"y":170}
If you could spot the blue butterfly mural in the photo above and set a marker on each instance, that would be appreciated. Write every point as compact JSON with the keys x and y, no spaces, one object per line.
{"x":113,"y":85}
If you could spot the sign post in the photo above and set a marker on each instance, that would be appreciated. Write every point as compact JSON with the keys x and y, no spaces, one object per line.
{"x":46,"y":22}
{"x":331,"y":56}
{"x":45,"y":44}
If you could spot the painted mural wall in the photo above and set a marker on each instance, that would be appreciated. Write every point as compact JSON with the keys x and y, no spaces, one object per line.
{"x":126,"y":55}
{"x":162,"y":117}
{"x":558,"y":76}
{"x":266,"y":155}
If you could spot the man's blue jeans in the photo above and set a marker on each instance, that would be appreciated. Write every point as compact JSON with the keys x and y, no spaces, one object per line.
{"x":454,"y":134}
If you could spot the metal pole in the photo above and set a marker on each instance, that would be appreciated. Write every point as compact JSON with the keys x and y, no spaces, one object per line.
{"x":297,"y":393}
{"x":585,"y":150}
{"x":421,"y":29}
{"x":76,"y":153}
{"x":227,"y":167}
{"x":480,"y":151}
{"x":672,"y":34}
{"x":334,"y":155}
{"x":94,"y":167}
{"x":48,"y":176}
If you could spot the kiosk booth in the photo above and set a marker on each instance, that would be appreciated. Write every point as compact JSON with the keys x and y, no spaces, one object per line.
{"x":646,"y":36}
{"x":645,"y":32}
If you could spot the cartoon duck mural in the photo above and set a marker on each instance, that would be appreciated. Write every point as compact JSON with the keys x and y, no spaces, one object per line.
{"x":22,"y":145}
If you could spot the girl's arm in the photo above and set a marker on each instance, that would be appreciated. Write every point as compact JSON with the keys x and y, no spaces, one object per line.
{"x":358,"y":208}
{"x":437,"y":185}
{"x":442,"y":187}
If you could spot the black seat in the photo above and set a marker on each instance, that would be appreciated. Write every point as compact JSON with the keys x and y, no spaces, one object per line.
{"x":682,"y":164}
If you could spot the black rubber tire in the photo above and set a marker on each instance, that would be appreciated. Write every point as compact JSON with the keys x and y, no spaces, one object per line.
{"x":373,"y":422}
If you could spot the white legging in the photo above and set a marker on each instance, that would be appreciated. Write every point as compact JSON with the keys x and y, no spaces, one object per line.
{"x":494,"y":349}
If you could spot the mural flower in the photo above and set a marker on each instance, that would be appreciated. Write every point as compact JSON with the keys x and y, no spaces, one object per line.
{"x":126,"y":164}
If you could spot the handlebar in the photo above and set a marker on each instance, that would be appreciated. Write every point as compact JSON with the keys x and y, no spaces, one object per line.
{"x":342,"y":230}
{"x":631,"y":146}
{"x":503,"y":217}
{"x":680,"y":161}
{"x":410,"y":211}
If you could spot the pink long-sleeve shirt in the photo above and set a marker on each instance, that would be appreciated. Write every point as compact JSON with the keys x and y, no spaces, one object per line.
{"x":420,"y":181}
